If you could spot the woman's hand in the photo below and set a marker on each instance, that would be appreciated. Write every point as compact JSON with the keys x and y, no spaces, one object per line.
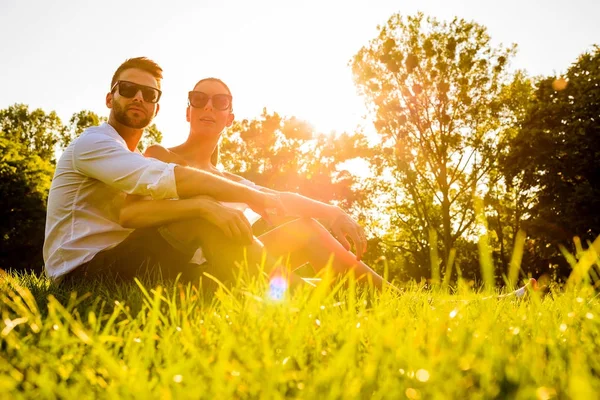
{"x":343,"y":226}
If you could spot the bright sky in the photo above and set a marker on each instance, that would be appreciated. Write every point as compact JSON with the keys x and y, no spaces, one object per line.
{"x":291,"y":57}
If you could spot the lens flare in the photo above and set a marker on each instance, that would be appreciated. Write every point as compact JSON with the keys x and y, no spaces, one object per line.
{"x":278,"y":286}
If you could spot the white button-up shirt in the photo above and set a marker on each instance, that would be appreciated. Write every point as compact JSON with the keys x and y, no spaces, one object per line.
{"x":92,"y":178}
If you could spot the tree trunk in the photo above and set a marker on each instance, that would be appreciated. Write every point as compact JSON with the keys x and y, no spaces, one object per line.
{"x":446,"y":221}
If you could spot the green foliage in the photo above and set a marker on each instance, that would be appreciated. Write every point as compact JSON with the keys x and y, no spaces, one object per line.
{"x":24,"y":184}
{"x":78,"y":123}
{"x":556,"y":157}
{"x":286,"y":154}
{"x":435,"y":92}
{"x":35,"y":130}
{"x":27,"y":144}
{"x":151,"y":136}
{"x":167,"y":342}
{"x":507,"y":200}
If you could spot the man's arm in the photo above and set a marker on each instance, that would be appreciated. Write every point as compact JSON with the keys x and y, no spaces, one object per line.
{"x":297,"y":205}
{"x":102,"y":157}
{"x":146,"y":213}
{"x":340,"y":223}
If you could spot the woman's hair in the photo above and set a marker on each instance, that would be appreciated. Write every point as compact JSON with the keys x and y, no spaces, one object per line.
{"x":211,"y":79}
{"x":214,"y":158}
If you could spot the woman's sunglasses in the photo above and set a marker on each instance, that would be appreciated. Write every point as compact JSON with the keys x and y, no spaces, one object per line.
{"x":220,"y":102}
{"x":129,"y":90}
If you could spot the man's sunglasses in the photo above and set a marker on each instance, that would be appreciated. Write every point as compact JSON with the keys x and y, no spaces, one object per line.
{"x":220,"y":102}
{"x":129,"y":90}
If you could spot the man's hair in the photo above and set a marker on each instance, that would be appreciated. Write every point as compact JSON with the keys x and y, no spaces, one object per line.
{"x":143,"y":63}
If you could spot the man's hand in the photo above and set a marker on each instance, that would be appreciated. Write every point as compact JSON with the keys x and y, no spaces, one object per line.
{"x":266,"y":204}
{"x":232,"y":222}
{"x":342,"y":226}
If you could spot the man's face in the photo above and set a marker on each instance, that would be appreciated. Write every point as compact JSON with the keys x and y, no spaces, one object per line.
{"x":133,"y":112}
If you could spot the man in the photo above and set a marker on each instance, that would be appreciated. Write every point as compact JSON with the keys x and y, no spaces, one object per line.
{"x":96,"y":172}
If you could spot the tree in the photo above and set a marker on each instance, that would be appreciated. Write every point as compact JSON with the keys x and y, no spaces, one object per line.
{"x":151,"y":136}
{"x":27,"y":144}
{"x":79,"y":122}
{"x":284,"y":153}
{"x":434,"y":91}
{"x":556,"y":155}
{"x":24,"y":183}
{"x":508,"y":200}
{"x":37,"y":131}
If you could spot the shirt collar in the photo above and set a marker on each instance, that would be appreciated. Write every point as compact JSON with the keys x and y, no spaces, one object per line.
{"x":108,"y":128}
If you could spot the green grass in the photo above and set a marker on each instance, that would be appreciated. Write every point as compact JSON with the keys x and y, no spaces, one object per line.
{"x":170,"y":341}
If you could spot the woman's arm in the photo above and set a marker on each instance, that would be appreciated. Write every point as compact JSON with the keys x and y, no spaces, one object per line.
{"x":295,"y":204}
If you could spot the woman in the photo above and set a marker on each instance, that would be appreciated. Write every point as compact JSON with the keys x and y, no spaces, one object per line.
{"x":224,"y":234}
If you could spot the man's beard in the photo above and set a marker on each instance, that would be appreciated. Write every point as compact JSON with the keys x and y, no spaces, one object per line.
{"x":121,"y":116}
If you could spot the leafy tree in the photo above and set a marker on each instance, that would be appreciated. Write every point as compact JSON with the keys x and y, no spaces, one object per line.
{"x":434,"y":89}
{"x":78,"y":123}
{"x":27,"y":144}
{"x":286,"y":154}
{"x":151,"y":136}
{"x":508,"y":201}
{"x":37,"y":131}
{"x":24,"y":183}
{"x":556,"y":155}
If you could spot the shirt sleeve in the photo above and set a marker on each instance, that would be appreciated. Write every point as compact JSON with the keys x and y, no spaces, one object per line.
{"x":103,"y":158}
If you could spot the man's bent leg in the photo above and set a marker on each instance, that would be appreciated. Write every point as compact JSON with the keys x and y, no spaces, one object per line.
{"x":144,"y":254}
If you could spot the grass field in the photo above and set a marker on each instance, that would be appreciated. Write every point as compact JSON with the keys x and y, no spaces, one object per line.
{"x":169,"y":341}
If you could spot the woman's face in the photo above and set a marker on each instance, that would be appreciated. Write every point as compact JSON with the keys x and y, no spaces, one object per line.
{"x":208,"y":117}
